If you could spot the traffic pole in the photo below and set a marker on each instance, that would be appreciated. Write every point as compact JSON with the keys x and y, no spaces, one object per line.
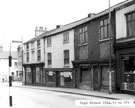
{"x":10,"y":78}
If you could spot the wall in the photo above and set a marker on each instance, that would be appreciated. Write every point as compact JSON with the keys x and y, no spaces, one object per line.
{"x":57,"y":49}
{"x":121,"y":21}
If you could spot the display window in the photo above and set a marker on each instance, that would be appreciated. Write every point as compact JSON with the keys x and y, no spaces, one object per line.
{"x":129,"y":73}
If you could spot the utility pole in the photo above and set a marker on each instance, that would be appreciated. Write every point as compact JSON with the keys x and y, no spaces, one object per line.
{"x":110,"y":58}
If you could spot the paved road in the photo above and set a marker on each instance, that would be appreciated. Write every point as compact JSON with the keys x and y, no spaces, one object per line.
{"x":32,"y":98}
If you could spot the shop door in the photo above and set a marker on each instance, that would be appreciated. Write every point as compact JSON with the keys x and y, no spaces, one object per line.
{"x":95,"y":78}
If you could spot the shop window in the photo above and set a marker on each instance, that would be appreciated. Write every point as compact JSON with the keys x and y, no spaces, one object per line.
{"x":66,"y":78}
{"x":51,"y":76}
{"x":129,"y":73}
{"x":85,"y":75}
{"x":105,"y":76}
{"x":38,"y":75}
{"x":28,"y":75}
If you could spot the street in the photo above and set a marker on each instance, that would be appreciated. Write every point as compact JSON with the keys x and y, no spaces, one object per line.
{"x":33,"y":98}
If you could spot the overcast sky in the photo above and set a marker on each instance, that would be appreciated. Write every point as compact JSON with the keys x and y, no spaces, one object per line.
{"x":20,"y":17}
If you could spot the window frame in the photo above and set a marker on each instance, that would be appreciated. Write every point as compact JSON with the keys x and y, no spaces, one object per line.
{"x":66,"y":57}
{"x":49,"y":42}
{"x":83,"y":35}
{"x":38,"y":55}
{"x":49,"y":59}
{"x":104,"y":29}
{"x":66,"y":37}
{"x":130,"y":21}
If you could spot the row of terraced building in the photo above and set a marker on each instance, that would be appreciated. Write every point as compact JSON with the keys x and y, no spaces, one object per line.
{"x":77,"y":54}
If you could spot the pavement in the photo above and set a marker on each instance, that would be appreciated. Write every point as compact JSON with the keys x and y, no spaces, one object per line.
{"x":99,"y":94}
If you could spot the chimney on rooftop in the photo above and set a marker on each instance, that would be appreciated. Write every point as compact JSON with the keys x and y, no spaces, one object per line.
{"x":58,"y":26}
{"x":39,"y":30}
{"x":91,"y":14}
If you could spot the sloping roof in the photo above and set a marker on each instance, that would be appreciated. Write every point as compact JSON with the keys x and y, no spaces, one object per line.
{"x":40,"y":36}
{"x":79,"y":22}
{"x":5,"y":55}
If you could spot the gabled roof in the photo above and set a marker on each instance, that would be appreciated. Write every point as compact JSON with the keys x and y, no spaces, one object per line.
{"x":5,"y":55}
{"x":79,"y":22}
{"x":38,"y":37}
{"x":84,"y":20}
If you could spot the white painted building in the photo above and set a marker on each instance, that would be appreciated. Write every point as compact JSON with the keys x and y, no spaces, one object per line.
{"x":34,"y":58}
{"x":4,"y":66}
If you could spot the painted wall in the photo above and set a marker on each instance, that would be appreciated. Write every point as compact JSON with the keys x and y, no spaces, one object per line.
{"x":4,"y":68}
{"x":57,"y":49}
{"x":121,"y":27}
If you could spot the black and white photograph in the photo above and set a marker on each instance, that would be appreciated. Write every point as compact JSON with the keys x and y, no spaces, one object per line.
{"x":67,"y":53}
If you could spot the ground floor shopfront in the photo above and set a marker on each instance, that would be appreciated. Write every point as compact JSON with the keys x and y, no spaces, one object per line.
{"x":93,"y":75}
{"x":59,"y":77}
{"x":36,"y":74}
{"x":33,"y":74}
{"x":126,"y":67}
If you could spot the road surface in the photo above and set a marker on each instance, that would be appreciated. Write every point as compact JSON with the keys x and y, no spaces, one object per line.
{"x":33,"y":98}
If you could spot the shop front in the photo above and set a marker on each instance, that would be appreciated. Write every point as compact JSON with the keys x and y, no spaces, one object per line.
{"x":34,"y":74}
{"x":126,"y":67}
{"x":93,"y":75}
{"x":59,"y":77}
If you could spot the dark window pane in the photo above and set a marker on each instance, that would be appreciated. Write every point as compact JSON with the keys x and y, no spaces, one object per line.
{"x":105,"y":21}
{"x":105,"y":32}
{"x":133,"y":28}
{"x":133,"y":16}
{"x":129,"y":18}
{"x":101,"y":33}
{"x":101,"y":23}
{"x":129,"y":29}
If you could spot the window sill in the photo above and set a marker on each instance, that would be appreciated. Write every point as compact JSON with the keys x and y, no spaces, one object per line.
{"x":107,"y":39}
{"x":49,"y":46}
{"x":65,"y":42}
{"x":66,"y":66}
{"x":83,"y":44}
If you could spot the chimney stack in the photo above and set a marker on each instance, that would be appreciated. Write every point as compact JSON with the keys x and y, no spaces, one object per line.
{"x":39,"y":30}
{"x":91,"y":15}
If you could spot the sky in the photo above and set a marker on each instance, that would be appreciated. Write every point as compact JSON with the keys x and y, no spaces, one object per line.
{"x":19,"y":18}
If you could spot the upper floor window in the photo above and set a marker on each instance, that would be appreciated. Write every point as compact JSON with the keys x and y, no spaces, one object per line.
{"x":27,"y":56}
{"x":27,"y":46}
{"x":65,"y":37}
{"x":32,"y":45}
{"x":49,"y":56}
{"x":83,"y":35}
{"x":15,"y":64}
{"x":66,"y":57}
{"x":104,"y":29}
{"x":131,"y":24}
{"x":49,"y":41}
{"x":38,"y":55}
{"x":38,"y":43}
